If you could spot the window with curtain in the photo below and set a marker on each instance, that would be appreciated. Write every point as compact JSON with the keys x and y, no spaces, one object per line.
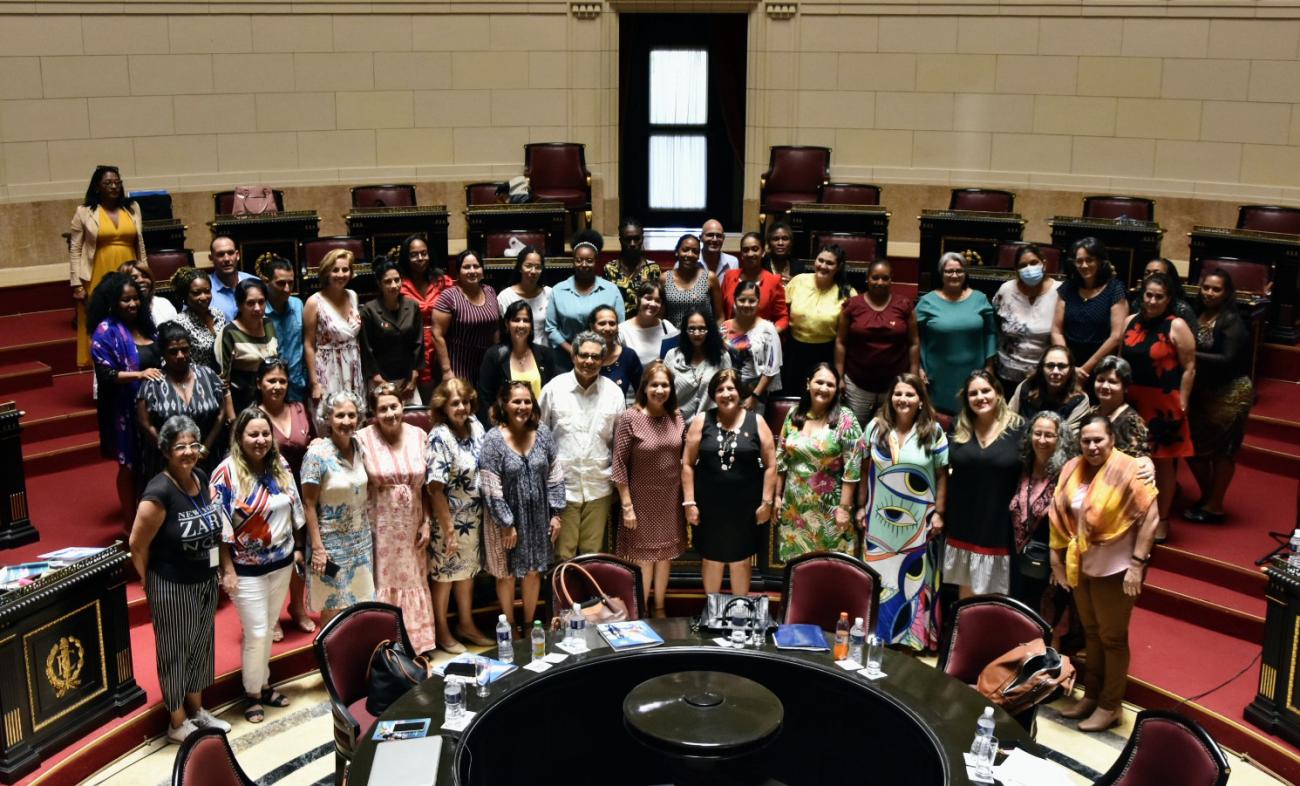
{"x":679,"y":92}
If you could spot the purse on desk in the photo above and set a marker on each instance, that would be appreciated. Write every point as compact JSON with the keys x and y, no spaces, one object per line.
{"x":391,"y":674}
{"x":718,"y":607}
{"x":254,"y":201}
{"x":597,"y":610}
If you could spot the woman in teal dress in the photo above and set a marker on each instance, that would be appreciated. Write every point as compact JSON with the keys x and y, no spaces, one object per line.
{"x":958,"y":333}
{"x":901,"y":504}
{"x":818,"y":466}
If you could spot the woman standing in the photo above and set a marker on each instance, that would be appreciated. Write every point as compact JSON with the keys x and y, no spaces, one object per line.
{"x":1091,"y":310}
{"x":620,"y":364}
{"x":197,"y":316}
{"x":466,"y":319}
{"x":173,"y":547}
{"x":519,"y":358}
{"x":331,"y":327}
{"x":877,"y":341}
{"x":771,"y":289}
{"x":573,"y":299}
{"x":1181,"y":307}
{"x":690,"y":284}
{"x":105,"y":234}
{"x":1111,"y":381}
{"x":780,"y":258}
{"x":1053,"y":387}
{"x":530,"y":263}
{"x":160,"y":308}
{"x":647,"y":473}
{"x":523,"y":494}
{"x":261,"y":523}
{"x":334,"y":484}
{"x":754,"y":346}
{"x":901,"y":505}
{"x":1222,"y":395}
{"x":631,"y":270}
{"x":122,"y":346}
{"x":1162,"y":352}
{"x":958,"y":333}
{"x":423,"y":282}
{"x":647,"y":333}
{"x":184,"y":389}
{"x":695,"y":361}
{"x":452,"y":483}
{"x":1025,"y":309}
{"x":819,"y":468}
{"x":1046,"y":449}
{"x":1103,"y":528}
{"x":242,"y":345}
{"x":728,"y":469}
{"x":984,"y":461}
{"x":816,"y":301}
{"x":392,"y":348}
{"x":393,"y":454}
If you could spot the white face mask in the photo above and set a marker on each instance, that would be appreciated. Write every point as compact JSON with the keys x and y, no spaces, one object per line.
{"x":1031,"y":275}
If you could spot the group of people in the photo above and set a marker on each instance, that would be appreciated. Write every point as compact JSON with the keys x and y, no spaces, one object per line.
{"x":265,"y":439}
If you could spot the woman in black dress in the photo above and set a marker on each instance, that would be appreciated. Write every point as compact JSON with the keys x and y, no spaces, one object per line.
{"x":731,"y":452}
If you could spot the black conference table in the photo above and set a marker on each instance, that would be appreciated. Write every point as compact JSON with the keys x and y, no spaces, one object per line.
{"x":567,"y":724}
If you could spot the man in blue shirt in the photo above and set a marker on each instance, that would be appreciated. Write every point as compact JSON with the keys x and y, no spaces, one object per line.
{"x":225,"y":266}
{"x":284,"y":312}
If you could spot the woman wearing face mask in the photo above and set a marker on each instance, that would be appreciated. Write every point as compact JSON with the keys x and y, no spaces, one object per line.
{"x":690,"y":284}
{"x":877,"y":341}
{"x":695,"y":361}
{"x":621,"y":364}
{"x":573,"y":299}
{"x":242,"y":345}
{"x":392,"y":346}
{"x":466,"y":319}
{"x":631,"y":270}
{"x":771,"y":290}
{"x":1025,"y":307}
{"x":957,"y":331}
{"x":780,"y":258}
{"x":754,"y":346}
{"x":1053,"y":387}
{"x":530,"y":263}
{"x":519,"y":358}
{"x":647,"y":333}
{"x":816,"y":301}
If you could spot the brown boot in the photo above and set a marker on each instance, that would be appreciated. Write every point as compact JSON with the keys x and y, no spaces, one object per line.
{"x":1100,"y":720}
{"x":1081,"y":709}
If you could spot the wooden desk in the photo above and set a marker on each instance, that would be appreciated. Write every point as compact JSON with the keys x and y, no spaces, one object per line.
{"x":807,"y":219}
{"x":15,"y":525}
{"x":548,"y":217}
{"x":499,"y":272}
{"x":164,"y":233}
{"x":384,"y":228}
{"x":1280,"y":252}
{"x":279,"y":233}
{"x":963,"y":231}
{"x":1274,"y":709}
{"x":1129,"y":244}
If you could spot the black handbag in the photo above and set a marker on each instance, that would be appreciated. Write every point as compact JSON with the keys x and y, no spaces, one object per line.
{"x":1035,"y":561}
{"x":718,"y":607}
{"x":391,"y":674}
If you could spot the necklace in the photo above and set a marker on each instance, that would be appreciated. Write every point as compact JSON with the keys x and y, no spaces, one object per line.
{"x":727,"y":439}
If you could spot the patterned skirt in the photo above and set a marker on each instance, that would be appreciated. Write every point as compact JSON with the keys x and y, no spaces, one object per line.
{"x":1218,"y":417}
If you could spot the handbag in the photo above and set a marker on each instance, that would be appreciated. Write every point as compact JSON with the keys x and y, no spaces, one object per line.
{"x":718,"y":607}
{"x":391,"y":674}
{"x":254,"y":201}
{"x":1026,"y":676}
{"x":1035,"y":561}
{"x":600,"y":609}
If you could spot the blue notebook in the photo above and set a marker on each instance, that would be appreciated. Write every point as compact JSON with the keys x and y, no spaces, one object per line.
{"x":633,"y":635}
{"x":800,"y":637}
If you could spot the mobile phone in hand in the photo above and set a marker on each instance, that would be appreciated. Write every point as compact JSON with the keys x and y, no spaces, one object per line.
{"x":331,"y":568}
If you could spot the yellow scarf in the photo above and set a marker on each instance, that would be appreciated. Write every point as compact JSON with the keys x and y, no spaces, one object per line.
{"x":1115,"y":500}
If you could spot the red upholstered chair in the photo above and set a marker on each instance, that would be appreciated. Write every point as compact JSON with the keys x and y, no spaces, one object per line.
{"x":1269,"y":218}
{"x":1166,"y":748}
{"x":1136,"y":208}
{"x":496,"y":243}
{"x":166,"y":261}
{"x":1051,"y":256}
{"x":313,"y":251}
{"x":223,"y":202}
{"x":418,"y":416}
{"x":1247,"y":276}
{"x":205,"y":759}
{"x":402,"y":195}
{"x":483,"y":193}
{"x":794,"y":174}
{"x":986,"y":200}
{"x":848,"y":194}
{"x":777,"y":410}
{"x":857,"y":247}
{"x":821,"y":584}
{"x":343,"y":648}
{"x":557,"y":172}
{"x":617,"y":577}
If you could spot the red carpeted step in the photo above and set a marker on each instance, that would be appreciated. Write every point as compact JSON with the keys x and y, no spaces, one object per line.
{"x":23,"y":375}
{"x":35,"y":297}
{"x":1258,"y":502}
{"x":1246,"y":581}
{"x":1276,"y":413}
{"x":1279,"y":361}
{"x":1205,"y":604}
{"x":47,"y":336}
{"x":65,"y":408}
{"x":60,"y":453}
{"x":1271,"y":454}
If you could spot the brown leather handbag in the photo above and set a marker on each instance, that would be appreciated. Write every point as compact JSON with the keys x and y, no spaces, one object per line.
{"x":1025,"y":676}
{"x":254,"y":201}
{"x":600,"y":609}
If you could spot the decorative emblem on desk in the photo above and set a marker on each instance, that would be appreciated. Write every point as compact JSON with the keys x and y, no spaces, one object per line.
{"x":63,"y":665}
{"x":972,"y":257}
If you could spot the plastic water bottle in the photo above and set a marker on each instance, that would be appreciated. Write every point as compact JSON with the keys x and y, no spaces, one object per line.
{"x":857,"y":640}
{"x":505,"y":647}
{"x":842,"y":637}
{"x":577,"y":626}
{"x":983,"y":732}
{"x":539,"y":640}
{"x":1293,"y":559}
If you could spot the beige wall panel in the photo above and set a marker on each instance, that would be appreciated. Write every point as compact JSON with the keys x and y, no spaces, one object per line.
{"x":917,"y":111}
{"x":532,"y":107}
{"x":951,"y":150}
{"x":171,"y":74}
{"x":41,"y":35}
{"x":835,"y":109}
{"x":376,"y":109}
{"x":1074,"y":115}
{"x":293,"y":33}
{"x":1294,"y":137}
{"x":1041,"y":74}
{"x":1166,"y":37}
{"x":74,"y":160}
{"x":60,"y":118}
{"x":329,"y":149}
{"x":1031,"y":152}
{"x":215,"y":113}
{"x":255,"y":152}
{"x":997,"y":35}
{"x":1222,"y":79}
{"x":137,"y":116}
{"x":550,"y":69}
{"x":818,"y":70}
{"x":1158,"y":119}
{"x":27,"y":162}
{"x":838,"y":33}
{"x":512,"y":33}
{"x":1075,"y":36}
{"x":1133,"y":77}
{"x":1254,"y":40}
{"x":254,"y":73}
{"x":489,"y":145}
{"x":584,"y":108}
{"x":351,"y":71}
{"x":587,"y":69}
{"x":195,"y":34}
{"x":412,"y":70}
{"x":486,"y":70}
{"x":295,"y":111}
{"x":1270,"y":165}
{"x":372,"y":33}
{"x":74,"y":77}
{"x":992,"y":112}
{"x":1272,"y":80}
{"x":781,"y":107}
{"x":20,"y":77}
{"x":821,"y":137}
{"x":446,"y":33}
{"x":1123,"y":157}
{"x":1197,"y":160}
{"x":125,"y":35}
{"x":166,"y":155}
{"x":877,"y":72}
{"x":865,"y":147}
{"x":1242,"y":121}
{"x":917,"y":34}
{"x":449,"y":108}
{"x":414,"y":146}
{"x":956,"y":73}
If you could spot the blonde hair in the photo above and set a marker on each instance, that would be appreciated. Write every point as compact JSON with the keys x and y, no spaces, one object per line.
{"x":331,"y":259}
{"x":245,"y":478}
{"x":453,"y":386}
{"x":1002,"y":414}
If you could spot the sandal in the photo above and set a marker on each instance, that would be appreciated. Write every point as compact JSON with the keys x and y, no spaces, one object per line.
{"x":305,"y":623}
{"x":277,"y":633}
{"x":254,"y":713}
{"x":271,"y":698}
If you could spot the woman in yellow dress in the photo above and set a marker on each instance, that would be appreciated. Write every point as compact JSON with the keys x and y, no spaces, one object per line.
{"x":107,"y":230}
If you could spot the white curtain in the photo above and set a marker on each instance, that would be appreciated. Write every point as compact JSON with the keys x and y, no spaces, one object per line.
{"x":679,"y":93}
{"x":677,"y":172}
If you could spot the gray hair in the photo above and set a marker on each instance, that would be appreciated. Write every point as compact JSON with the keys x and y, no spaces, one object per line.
{"x":1064,"y":443}
{"x":175,"y":426}
{"x":589,"y":337}
{"x":950,"y":256}
{"x":328,"y":402}
{"x":1118,"y":365}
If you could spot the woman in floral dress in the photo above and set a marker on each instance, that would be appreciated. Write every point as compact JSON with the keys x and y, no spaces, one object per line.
{"x":331,"y":325}
{"x":819,"y":465}
{"x":457,"y":508}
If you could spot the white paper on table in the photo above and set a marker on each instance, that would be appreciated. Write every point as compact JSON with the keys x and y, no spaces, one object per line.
{"x":1024,"y":769}
{"x":849,"y":665}
{"x":573,"y":647}
{"x":880,"y":675}
{"x":459,"y":724}
{"x":555,"y":657}
{"x":722,"y":641}
{"x":538,"y":666}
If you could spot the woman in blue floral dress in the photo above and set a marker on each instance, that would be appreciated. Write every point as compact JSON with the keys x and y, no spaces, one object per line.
{"x":452,"y":484}
{"x":819,"y":465}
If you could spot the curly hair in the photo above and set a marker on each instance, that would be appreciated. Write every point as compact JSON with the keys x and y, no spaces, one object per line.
{"x":104,"y":301}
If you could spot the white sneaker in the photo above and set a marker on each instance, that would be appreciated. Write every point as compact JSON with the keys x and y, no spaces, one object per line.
{"x":206,"y":720}
{"x":178,"y":734}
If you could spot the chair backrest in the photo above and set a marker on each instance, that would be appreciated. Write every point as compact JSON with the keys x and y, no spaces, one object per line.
{"x":616,"y":576}
{"x":1167,"y":748}
{"x":344,"y":645}
{"x":154,"y":205}
{"x":1107,"y":206}
{"x":1050,"y":253}
{"x":777,"y":410}
{"x":848,"y":194}
{"x":223,"y":202}
{"x":987,"y":200}
{"x":1247,"y":276}
{"x":205,"y":759}
{"x":982,"y":628}
{"x":418,"y":416}
{"x":166,"y":261}
{"x":820,"y":585}
{"x":496,"y":243}
{"x":857,"y":247}
{"x":483,"y":193}
{"x":400,"y":195}
{"x":314,"y":250}
{"x":556,"y":165}
{"x":1269,"y":218}
{"x":798,"y":168}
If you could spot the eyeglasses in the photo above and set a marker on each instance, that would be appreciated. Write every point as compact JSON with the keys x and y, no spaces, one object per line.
{"x":697,"y":329}
{"x":1056,"y":366}
{"x":190,"y":447}
{"x":589,"y":356}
